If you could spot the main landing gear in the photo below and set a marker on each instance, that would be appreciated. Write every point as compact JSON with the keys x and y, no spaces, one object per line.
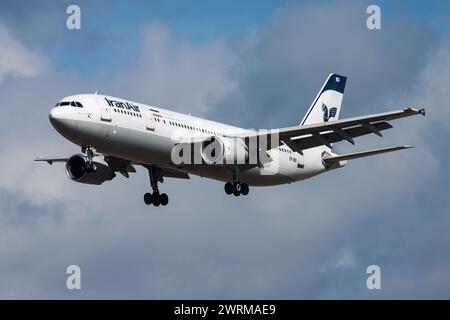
{"x":237,"y":188}
{"x":155,"y":197}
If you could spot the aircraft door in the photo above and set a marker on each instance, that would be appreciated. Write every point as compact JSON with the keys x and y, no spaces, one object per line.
{"x":300,"y":161}
{"x":105,"y":113}
{"x":150,"y":121}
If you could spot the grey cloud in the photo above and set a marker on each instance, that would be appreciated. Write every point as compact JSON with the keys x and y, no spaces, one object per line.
{"x":197,"y":73}
{"x":16,"y":59}
{"x":282,"y":68}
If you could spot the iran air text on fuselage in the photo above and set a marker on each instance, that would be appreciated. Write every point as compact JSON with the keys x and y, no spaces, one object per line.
{"x":124,"y":105}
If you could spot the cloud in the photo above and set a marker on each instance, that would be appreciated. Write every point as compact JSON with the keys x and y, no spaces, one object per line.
{"x":282,"y":67}
{"x":198,"y":74}
{"x":16,"y":59}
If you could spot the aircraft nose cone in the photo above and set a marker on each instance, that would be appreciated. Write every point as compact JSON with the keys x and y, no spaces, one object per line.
{"x":56,"y":118}
{"x":53,"y":115}
{"x":63,"y":121}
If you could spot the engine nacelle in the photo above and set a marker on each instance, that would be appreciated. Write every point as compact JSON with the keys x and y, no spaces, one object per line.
{"x":220,"y":150}
{"x":80,"y":169}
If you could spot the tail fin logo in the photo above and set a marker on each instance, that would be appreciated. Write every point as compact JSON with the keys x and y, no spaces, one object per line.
{"x":327,"y":114}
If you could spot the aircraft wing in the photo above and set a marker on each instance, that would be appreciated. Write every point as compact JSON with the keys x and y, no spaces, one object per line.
{"x":123,"y":166}
{"x":51,"y":160}
{"x":169,"y":173}
{"x":299,"y":138}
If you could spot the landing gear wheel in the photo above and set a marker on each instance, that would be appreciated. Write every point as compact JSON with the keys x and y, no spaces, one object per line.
{"x":228,"y":188}
{"x":156,"y":199}
{"x":164,"y":199}
{"x":236,"y":189}
{"x":244,"y":189}
{"x":148,"y":198}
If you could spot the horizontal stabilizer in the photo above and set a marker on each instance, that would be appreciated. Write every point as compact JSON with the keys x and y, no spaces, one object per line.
{"x":356,"y":155}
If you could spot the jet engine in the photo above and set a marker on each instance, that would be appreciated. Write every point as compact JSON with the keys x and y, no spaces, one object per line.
{"x":220,"y":150}
{"x":90,"y":171}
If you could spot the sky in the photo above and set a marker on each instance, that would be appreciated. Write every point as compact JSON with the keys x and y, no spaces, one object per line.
{"x":255,"y":64}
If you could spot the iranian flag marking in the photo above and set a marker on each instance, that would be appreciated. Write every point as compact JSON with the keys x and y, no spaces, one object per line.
{"x":156,"y":113}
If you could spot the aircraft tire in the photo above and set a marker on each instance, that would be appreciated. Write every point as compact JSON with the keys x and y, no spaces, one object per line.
{"x":236,"y":189}
{"x":228,"y":188}
{"x":164,"y":199}
{"x":244,"y":189}
{"x":148,"y":199}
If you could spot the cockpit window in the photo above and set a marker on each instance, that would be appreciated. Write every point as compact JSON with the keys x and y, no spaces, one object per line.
{"x":75,"y":104}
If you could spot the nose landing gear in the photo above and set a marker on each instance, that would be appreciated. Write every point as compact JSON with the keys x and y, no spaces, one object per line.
{"x":155,"y":197}
{"x":89,"y":151}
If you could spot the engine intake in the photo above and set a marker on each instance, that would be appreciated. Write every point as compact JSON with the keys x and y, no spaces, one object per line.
{"x":80,"y":169}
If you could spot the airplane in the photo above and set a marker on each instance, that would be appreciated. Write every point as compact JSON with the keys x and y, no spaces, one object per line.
{"x":115,"y":135}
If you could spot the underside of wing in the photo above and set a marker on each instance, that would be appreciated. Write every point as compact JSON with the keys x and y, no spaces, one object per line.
{"x":300,"y":138}
{"x":124,"y":166}
{"x":170,"y":173}
{"x":336,"y":135}
{"x":51,"y":160}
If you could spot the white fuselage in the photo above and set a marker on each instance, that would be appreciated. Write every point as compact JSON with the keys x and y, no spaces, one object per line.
{"x":146,"y":135}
